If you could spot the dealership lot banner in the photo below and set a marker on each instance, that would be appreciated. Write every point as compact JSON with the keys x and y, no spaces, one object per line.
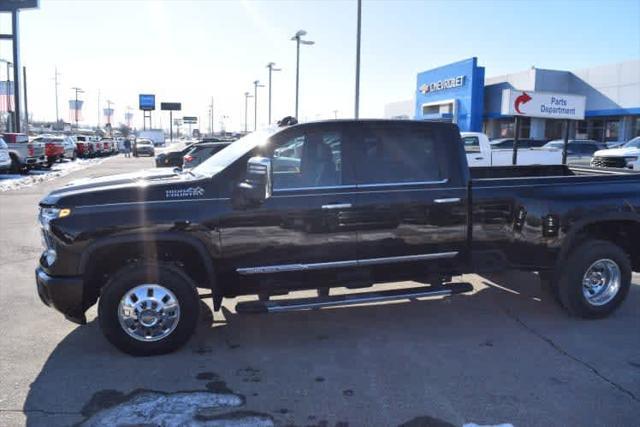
{"x":548,"y":105}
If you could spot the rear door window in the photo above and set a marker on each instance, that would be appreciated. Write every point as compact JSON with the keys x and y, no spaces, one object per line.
{"x":471,"y":144}
{"x":386,"y":155}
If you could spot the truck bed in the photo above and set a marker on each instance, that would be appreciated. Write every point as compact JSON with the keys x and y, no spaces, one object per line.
{"x":564,"y":196}
{"x":495,"y":172}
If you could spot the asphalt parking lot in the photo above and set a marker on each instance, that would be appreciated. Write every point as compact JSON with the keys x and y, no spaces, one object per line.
{"x":505,"y":353}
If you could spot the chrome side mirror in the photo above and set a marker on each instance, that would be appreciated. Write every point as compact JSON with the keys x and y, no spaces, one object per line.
{"x":256,"y":187}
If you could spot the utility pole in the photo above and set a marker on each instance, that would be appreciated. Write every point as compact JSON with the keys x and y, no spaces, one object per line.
{"x":55,"y":78}
{"x":247,"y":95}
{"x":211,"y":123}
{"x":297,"y":37}
{"x":271,"y":68}
{"x":77,"y":90}
{"x":26,"y":104}
{"x":8,"y":127}
{"x":99,"y":108}
{"x":256,"y":85}
{"x":109,"y":104}
{"x":357,"y":106}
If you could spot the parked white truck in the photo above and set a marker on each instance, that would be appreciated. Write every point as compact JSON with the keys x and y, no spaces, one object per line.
{"x":480,"y":152}
{"x":155,"y":135}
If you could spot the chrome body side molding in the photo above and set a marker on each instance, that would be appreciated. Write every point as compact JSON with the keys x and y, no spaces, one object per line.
{"x":284,"y":268}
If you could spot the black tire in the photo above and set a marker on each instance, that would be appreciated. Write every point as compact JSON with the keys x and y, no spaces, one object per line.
{"x":129,"y":277}
{"x":16,"y":167}
{"x":549,"y":285}
{"x":570,"y":287}
{"x":75,"y":155}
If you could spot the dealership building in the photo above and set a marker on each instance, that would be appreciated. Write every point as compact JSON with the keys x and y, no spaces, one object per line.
{"x":461,"y":94}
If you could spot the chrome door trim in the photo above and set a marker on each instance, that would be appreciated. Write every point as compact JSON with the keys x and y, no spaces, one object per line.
{"x":447,"y":200}
{"x":284,"y":268}
{"x":406,"y":258}
{"x":337,"y":206}
{"x":403,"y":184}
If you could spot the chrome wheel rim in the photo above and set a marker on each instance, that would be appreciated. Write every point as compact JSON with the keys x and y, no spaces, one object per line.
{"x":601,"y":282}
{"x":149,"y":312}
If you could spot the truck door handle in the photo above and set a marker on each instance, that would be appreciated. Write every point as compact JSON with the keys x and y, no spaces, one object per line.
{"x":449,"y":200}
{"x":478,"y":158}
{"x":337,"y":206}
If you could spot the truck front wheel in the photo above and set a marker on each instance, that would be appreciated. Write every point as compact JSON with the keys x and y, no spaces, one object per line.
{"x":595,"y":280}
{"x":148,"y":308}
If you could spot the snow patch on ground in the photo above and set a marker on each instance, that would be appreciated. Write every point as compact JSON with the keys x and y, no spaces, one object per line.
{"x":197,"y":408}
{"x":14,"y":182}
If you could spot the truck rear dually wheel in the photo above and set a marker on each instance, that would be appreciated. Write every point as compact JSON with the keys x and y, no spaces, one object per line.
{"x":148,"y":308}
{"x":595,"y":280}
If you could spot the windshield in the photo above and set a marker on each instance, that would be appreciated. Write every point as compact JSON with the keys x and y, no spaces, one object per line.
{"x":634,"y":143}
{"x":233,"y":152}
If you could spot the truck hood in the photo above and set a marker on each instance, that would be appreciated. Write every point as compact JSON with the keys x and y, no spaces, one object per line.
{"x":123,"y":178}
{"x":618,"y":152}
{"x":144,"y":186}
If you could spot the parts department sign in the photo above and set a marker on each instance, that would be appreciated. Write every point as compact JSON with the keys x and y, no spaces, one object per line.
{"x":547,"y":105}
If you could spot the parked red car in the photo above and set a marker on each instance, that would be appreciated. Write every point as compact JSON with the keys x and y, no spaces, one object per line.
{"x":54,"y":148}
{"x":85,"y":147}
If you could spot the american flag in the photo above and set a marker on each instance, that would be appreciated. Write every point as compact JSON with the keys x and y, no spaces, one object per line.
{"x":73,"y":107}
{"x":108,"y":113}
{"x":6,"y":96}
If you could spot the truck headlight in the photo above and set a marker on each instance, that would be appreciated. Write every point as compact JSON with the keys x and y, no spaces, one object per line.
{"x":47,"y":214}
{"x":50,"y":256}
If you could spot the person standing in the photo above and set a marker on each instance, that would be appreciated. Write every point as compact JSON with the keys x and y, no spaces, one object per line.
{"x":127,"y":147}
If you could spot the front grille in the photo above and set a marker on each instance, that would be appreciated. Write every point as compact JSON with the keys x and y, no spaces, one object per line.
{"x":609,"y":162}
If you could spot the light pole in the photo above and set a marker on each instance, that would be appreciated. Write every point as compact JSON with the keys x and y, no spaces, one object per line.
{"x":109,"y":104}
{"x":297,"y":37}
{"x":271,"y":67}
{"x":357,"y":106}
{"x":8,"y":92}
{"x":247,"y":95}
{"x":77,"y":91}
{"x":55,"y":79}
{"x":256,"y":85}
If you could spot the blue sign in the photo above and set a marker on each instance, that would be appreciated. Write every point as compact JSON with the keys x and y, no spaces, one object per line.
{"x":452,"y":93}
{"x":147,"y":102}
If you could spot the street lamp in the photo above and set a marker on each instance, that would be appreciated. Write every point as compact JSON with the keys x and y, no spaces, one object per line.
{"x":357,"y":106}
{"x":7,"y":92}
{"x":247,"y":95}
{"x":256,"y":85}
{"x":297,"y":37}
{"x":271,"y":67}
{"x":77,"y":90}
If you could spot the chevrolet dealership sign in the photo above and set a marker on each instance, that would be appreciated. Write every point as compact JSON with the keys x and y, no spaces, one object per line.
{"x":442,"y":85}
{"x":546,"y":105}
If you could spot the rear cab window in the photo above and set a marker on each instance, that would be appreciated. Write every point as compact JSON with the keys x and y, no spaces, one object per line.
{"x":390,"y":155}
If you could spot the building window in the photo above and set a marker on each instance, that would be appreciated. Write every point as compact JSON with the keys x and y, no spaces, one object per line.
{"x":595,"y":129}
{"x":554,"y":129}
{"x":635,"y":127}
{"x":611,"y":130}
{"x":507,"y":128}
{"x":582,"y":130}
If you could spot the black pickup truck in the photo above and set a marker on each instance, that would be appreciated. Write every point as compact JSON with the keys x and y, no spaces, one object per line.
{"x":323,"y":205}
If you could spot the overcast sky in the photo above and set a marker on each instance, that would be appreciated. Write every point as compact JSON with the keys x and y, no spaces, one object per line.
{"x":188,"y":51}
